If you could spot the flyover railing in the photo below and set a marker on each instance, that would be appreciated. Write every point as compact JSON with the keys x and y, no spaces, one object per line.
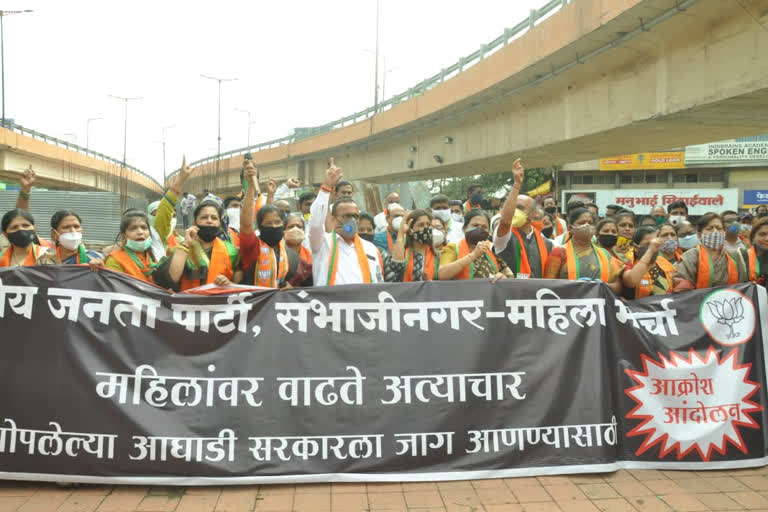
{"x":73,"y":147}
{"x":536,"y":15}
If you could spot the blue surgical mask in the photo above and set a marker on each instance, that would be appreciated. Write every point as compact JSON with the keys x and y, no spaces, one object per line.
{"x":138,"y":246}
{"x":688,"y":242}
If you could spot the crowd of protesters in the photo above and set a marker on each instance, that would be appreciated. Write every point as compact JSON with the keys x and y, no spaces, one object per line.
{"x":253,"y":239}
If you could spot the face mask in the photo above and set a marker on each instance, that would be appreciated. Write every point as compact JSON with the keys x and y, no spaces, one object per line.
{"x":295,"y":235}
{"x":640,"y":252}
{"x":208,"y":233}
{"x":676,"y":219}
{"x":536,"y":224}
{"x":476,"y":198}
{"x":583,"y":232}
{"x":457,"y":217}
{"x":623,"y":241}
{"x":396,"y":223}
{"x":443,"y":215}
{"x":234,"y":217}
{"x":22,"y":237}
{"x":138,"y":245}
{"x":367,"y":236}
{"x":689,"y":241}
{"x":547,"y":232}
{"x":475,"y":235}
{"x":438,"y":237}
{"x":713,"y":240}
{"x":669,"y":246}
{"x":271,"y":235}
{"x":607,"y":240}
{"x":660,"y":220}
{"x":551,"y":210}
{"x":734,"y":229}
{"x":424,"y":236}
{"x":519,"y":219}
{"x":349,"y":228}
{"x":70,"y":241}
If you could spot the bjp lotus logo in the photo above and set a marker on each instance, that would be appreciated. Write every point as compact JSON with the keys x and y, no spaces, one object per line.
{"x":728,"y":317}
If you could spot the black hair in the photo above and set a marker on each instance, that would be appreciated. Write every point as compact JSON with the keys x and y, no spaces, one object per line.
{"x":574,"y":214}
{"x":607,"y":220}
{"x":616,"y":208}
{"x":641,"y":232}
{"x":367,"y":216}
{"x":473,"y":186}
{"x":622,"y":214}
{"x":205,"y":204}
{"x":590,"y":205}
{"x":677,"y":204}
{"x":572,"y":205}
{"x":439,"y":198}
{"x":474,"y":212}
{"x":12,"y":214}
{"x":341,"y":200}
{"x":129,"y":216}
{"x":60,"y":215}
{"x":729,"y":212}
{"x":266,"y":210}
{"x":229,"y":200}
{"x":306,"y":196}
{"x":705,"y":219}
{"x":342,"y":183}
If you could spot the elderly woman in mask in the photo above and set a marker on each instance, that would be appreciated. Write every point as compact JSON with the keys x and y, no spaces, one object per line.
{"x":580,"y":259}
{"x":413,"y":258}
{"x":471,"y":258}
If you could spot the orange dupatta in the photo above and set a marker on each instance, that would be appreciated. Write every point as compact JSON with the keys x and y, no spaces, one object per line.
{"x":523,"y":266}
{"x":644,"y":290}
{"x":704,"y":274}
{"x":574,"y":268}
{"x":362,"y":260}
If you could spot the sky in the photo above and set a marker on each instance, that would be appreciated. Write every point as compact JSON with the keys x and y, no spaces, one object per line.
{"x":297,"y":63}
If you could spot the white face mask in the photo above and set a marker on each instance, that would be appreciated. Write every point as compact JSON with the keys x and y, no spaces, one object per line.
{"x":438,"y":237}
{"x":443,"y":215}
{"x":234,"y":217}
{"x":70,"y":240}
{"x":457,"y":217}
{"x":396,"y":223}
{"x":295,"y":235}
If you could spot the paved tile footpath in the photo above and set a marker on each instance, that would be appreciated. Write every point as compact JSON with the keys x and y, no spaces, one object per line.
{"x":623,"y":491}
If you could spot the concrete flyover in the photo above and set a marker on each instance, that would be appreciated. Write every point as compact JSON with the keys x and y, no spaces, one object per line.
{"x":597,"y":77}
{"x":60,"y":165}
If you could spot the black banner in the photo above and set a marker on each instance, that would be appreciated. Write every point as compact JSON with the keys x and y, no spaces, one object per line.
{"x":107,"y":379}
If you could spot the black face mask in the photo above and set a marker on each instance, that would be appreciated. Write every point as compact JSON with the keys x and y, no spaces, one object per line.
{"x":366,"y":236}
{"x":424,"y":236}
{"x":547,"y":232}
{"x":208,"y":233}
{"x":640,"y":252}
{"x":271,"y":235}
{"x":551,"y":210}
{"x":607,"y":240}
{"x":22,"y":237}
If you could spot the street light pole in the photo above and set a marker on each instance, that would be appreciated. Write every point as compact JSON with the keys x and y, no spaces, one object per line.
{"x":249,"y":123}
{"x":164,"y":130}
{"x":3,"y":14}
{"x":218,"y":150}
{"x":125,"y":123}
{"x":376,"y":68}
{"x":88,"y":130}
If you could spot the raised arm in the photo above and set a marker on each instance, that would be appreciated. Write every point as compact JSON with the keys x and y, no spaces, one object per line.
{"x":26,"y":181}
{"x":508,"y":210}
{"x":320,"y":207}
{"x":247,"y":208}
{"x":633,"y":276}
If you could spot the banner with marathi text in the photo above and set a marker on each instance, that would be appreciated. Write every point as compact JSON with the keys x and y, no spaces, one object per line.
{"x":106,"y":379}
{"x":642,"y":201}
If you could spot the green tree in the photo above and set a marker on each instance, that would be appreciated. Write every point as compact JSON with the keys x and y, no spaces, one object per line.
{"x":493,"y":184}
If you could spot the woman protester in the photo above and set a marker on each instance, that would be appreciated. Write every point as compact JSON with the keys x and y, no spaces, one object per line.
{"x":366,"y":227}
{"x":651,"y":273}
{"x":580,"y":259}
{"x":471,"y":258}
{"x":18,"y":226}
{"x":607,"y":234}
{"x":67,"y":234}
{"x":625,"y":224}
{"x":413,"y":258}
{"x":669,"y":250}
{"x":206,"y":256}
{"x":439,"y":235}
{"x":756,"y":256}
{"x":300,"y":272}
{"x":547,"y":225}
{"x":709,"y":264}
{"x":133,"y":254}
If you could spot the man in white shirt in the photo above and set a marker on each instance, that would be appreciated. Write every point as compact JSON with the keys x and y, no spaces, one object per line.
{"x":380,"y":220}
{"x":341,"y":256}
